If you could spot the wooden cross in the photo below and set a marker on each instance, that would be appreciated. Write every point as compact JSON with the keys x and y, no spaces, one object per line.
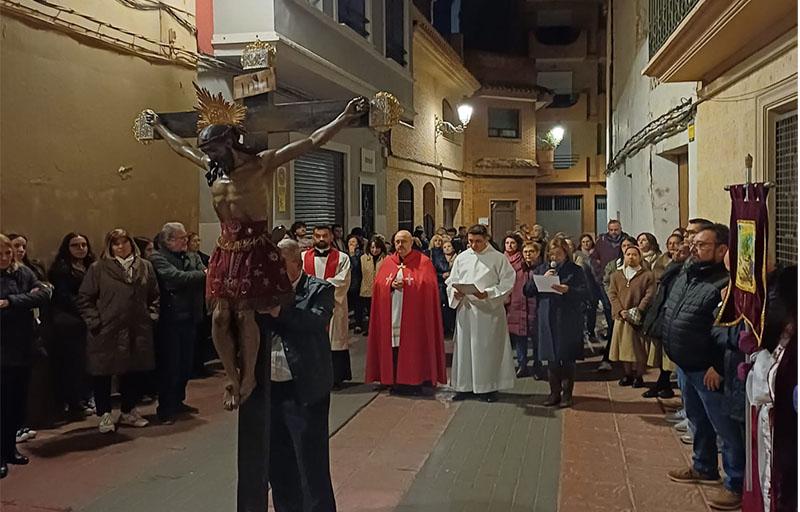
{"x":264,"y":117}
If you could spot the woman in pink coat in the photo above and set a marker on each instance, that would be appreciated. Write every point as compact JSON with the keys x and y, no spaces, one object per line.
{"x":520,"y":310}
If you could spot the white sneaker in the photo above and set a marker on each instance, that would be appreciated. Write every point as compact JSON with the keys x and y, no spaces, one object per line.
{"x":133,"y":419}
{"x":107,"y":423}
{"x":677,"y":416}
{"x":683,"y":426}
{"x":604,"y":366}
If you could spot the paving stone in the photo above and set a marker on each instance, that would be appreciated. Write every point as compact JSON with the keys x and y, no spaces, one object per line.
{"x":502,"y":456}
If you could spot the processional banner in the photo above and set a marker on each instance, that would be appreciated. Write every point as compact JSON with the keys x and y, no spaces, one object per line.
{"x":746,"y":297}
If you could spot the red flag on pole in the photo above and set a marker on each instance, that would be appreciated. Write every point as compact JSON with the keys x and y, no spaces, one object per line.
{"x":746,"y":297}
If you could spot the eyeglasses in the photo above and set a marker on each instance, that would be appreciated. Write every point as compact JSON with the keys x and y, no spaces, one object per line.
{"x":700,"y":245}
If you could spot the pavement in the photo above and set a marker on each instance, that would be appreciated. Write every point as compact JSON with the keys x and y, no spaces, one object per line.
{"x":610,"y":452}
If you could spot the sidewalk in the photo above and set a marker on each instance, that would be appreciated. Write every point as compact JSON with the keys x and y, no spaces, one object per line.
{"x":617,"y":449}
{"x":427,"y":454}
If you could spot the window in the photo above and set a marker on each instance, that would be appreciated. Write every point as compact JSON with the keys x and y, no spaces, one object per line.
{"x":601,"y":214}
{"x":395,"y":31}
{"x":353,"y":13}
{"x":405,"y":206}
{"x":786,"y":189}
{"x":504,"y":123}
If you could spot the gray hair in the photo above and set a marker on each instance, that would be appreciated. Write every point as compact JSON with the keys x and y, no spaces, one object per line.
{"x":169,"y":229}
{"x":290,"y":249}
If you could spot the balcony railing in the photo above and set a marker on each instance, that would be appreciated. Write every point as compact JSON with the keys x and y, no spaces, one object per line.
{"x":665,"y":16}
{"x":565,"y":161}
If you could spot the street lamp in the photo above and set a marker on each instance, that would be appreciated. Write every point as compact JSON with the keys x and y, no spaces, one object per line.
{"x":464,"y":116}
{"x":464,"y":113}
{"x":557,"y":134}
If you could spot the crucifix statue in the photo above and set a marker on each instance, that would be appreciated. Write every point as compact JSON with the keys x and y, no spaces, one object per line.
{"x":246,"y":273}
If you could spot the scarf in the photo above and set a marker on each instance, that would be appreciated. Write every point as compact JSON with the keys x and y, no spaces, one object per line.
{"x":127,"y":265}
{"x":615,"y":241}
{"x":630,"y":272}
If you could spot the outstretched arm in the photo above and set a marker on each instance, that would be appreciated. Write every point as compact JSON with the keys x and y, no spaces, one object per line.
{"x":354,"y":110}
{"x":177,"y":144}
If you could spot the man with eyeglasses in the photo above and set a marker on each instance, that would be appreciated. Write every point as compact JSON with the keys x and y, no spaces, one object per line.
{"x":688,"y":341}
{"x":181,"y":278}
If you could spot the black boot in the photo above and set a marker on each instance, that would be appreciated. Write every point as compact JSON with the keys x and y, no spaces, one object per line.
{"x":567,"y":385}
{"x":554,"y":378}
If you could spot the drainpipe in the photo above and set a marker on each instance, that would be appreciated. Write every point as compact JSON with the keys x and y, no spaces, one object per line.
{"x":609,"y":78}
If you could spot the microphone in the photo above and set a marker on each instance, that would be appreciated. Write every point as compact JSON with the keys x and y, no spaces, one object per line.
{"x":553,"y":265}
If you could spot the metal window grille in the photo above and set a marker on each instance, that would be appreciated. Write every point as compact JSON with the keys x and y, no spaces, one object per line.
{"x":567,"y":203}
{"x":664,"y":18}
{"x":558,"y":203}
{"x":786,"y":190}
{"x":544,"y":203}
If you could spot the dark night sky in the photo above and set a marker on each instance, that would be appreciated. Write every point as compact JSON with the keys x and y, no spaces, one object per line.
{"x":493,"y":25}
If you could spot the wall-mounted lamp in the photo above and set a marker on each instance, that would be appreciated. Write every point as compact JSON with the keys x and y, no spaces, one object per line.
{"x":464,"y":115}
{"x":550,"y":140}
{"x":557,"y":133}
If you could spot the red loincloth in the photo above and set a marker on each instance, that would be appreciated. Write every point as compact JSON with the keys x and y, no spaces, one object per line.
{"x":246,"y":268}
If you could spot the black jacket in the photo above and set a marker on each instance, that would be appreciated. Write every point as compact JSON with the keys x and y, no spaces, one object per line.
{"x":303,"y":331}
{"x":653,"y":323}
{"x":180,"y":280}
{"x":689,"y":317}
{"x":355,"y":273}
{"x":16,"y":321}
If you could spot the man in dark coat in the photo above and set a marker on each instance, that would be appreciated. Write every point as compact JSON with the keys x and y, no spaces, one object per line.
{"x":302,"y":377}
{"x":181,"y":278}
{"x":689,"y":342}
{"x":607,"y":248}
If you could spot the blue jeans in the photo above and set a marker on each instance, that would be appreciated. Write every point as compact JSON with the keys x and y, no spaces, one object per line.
{"x":705,"y":411}
{"x":521,"y":346}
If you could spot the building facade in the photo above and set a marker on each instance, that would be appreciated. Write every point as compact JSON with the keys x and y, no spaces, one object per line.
{"x":425,"y":179}
{"x":648,"y":183}
{"x":743,"y":60}
{"x":568,"y":46}
{"x":326,"y":50}
{"x":73,"y":81}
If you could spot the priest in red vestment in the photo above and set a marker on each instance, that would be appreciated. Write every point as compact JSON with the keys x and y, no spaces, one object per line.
{"x":405,"y":348}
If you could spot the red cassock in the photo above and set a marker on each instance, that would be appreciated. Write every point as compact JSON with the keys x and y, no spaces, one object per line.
{"x":421,"y":355}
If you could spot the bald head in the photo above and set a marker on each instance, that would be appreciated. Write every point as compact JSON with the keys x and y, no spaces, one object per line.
{"x":403,"y":242}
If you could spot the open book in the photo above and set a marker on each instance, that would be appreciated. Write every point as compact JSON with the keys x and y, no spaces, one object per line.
{"x":466,"y":288}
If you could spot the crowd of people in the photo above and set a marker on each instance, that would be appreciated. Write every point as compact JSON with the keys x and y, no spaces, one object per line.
{"x":526,"y":306}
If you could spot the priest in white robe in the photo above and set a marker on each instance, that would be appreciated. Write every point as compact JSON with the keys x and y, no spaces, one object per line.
{"x":482,"y":362}
{"x":326,"y":262}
